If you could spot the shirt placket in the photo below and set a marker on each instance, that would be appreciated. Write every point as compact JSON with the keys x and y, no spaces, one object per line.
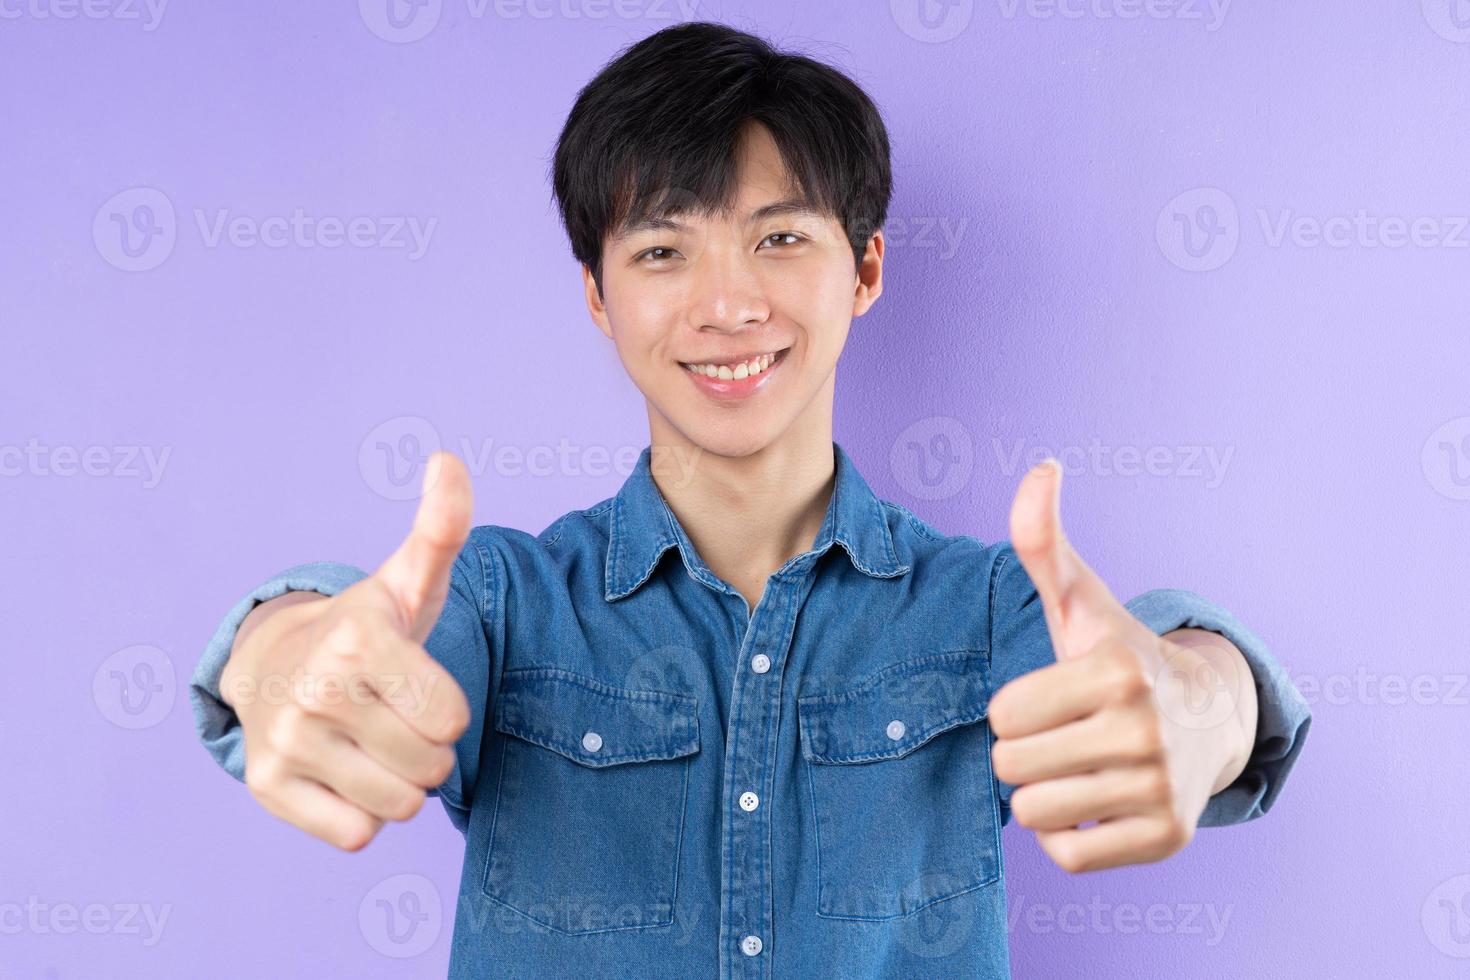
{"x":746,"y":923}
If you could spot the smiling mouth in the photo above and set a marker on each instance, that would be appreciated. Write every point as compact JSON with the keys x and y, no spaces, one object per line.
{"x":737,"y":370}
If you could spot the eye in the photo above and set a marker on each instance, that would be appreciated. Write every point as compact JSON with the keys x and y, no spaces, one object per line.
{"x":649,"y":253}
{"x":785,"y":234}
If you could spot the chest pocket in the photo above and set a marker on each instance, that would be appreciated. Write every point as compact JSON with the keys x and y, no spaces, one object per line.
{"x":900,"y":785}
{"x":590,"y":805}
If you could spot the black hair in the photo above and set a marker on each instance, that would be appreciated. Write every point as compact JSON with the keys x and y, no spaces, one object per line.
{"x":656,"y":131}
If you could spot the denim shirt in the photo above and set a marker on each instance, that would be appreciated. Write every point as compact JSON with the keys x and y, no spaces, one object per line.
{"x":658,"y":782}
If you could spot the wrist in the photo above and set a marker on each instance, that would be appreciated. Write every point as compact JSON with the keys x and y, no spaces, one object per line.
{"x":241,"y":651}
{"x":1213,"y":674}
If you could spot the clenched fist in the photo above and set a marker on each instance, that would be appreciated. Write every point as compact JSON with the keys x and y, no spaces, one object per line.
{"x":347,"y":719}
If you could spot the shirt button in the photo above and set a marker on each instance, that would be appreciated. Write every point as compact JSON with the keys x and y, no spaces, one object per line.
{"x":751,"y":945}
{"x":592,"y":741}
{"x":749,"y":801}
{"x":760,"y":663}
{"x":895,"y":729}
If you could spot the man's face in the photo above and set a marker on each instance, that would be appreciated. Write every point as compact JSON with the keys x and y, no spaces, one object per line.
{"x":731,"y":326}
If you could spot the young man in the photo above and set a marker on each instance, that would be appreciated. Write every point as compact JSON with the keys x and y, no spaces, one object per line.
{"x":743,"y":719}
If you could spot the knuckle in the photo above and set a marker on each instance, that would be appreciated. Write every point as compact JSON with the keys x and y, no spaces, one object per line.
{"x":1003,"y":761}
{"x":1126,"y":680}
{"x":1159,"y":788}
{"x":407,"y":804}
{"x":1022,"y":810}
{"x":354,"y":834}
{"x":1172,"y":835}
{"x":442,"y":766}
{"x":286,"y":735}
{"x":999,"y":713}
{"x":1145,"y":741}
{"x":448,"y":726}
{"x":261,"y":776}
{"x":1067,"y":857}
{"x":347,"y":634}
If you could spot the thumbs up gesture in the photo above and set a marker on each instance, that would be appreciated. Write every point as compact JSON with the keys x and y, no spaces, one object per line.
{"x":1109,"y":733}
{"x":347,"y":719}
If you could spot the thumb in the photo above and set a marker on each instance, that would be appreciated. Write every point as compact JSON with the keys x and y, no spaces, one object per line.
{"x":1078,"y":607}
{"x":417,"y":574}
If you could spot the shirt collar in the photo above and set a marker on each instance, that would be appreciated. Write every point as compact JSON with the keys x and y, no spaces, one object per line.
{"x":642,"y":527}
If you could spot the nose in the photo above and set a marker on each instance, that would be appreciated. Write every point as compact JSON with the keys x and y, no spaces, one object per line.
{"x":726,"y":294}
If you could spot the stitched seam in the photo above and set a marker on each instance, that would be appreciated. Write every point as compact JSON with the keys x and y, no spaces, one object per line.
{"x":599,"y":688}
{"x":862,"y":687}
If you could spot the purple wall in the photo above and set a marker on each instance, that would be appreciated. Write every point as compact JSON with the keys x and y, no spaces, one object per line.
{"x":1217,"y":257}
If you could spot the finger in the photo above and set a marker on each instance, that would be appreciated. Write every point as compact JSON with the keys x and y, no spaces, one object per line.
{"x":417,"y":573}
{"x":1057,"y":804}
{"x":1051,"y":696}
{"x":320,"y":812}
{"x":1100,"y":741}
{"x":366,"y":660}
{"x":1077,"y":605}
{"x":1112,"y":843}
{"x":386,"y":737}
{"x":342,"y":766}
{"x":407,"y":680}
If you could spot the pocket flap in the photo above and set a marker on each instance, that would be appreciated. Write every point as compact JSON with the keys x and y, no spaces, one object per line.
{"x":896,"y":710}
{"x":592,"y":723}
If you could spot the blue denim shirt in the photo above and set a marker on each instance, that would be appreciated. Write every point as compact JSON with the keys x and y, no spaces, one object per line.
{"x":657,"y":782}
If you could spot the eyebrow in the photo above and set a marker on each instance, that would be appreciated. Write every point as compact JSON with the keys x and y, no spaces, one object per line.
{"x":788,"y":205}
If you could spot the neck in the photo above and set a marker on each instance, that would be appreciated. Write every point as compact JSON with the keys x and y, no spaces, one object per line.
{"x":747,"y":515}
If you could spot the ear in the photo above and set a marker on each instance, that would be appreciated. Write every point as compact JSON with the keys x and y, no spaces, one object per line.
{"x":870,"y":276}
{"x":595,"y":305}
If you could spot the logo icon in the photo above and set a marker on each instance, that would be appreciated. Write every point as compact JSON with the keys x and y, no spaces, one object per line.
{"x":401,"y":916}
{"x":392,"y":457}
{"x":932,"y":21}
{"x":134,"y":688}
{"x":1446,"y":917}
{"x":135,"y":230}
{"x":1193,"y":693}
{"x":1199,"y":230}
{"x":1446,"y":459}
{"x":932,"y":458}
{"x":400,"y":21}
{"x":1450,"y":19}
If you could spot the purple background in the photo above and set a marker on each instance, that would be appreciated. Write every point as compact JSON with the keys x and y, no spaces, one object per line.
{"x":1065,"y":308}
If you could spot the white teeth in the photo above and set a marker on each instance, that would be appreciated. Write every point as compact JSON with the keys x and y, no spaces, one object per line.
{"x":726,"y":372}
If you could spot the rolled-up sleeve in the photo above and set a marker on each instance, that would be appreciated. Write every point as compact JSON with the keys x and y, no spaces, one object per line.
{"x":1283,"y":716}
{"x":1020,"y":643}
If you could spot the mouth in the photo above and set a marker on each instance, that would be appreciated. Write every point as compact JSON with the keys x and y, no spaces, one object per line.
{"x":737,"y":378}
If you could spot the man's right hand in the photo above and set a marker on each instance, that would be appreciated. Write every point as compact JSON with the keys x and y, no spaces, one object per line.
{"x":347,"y":718}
